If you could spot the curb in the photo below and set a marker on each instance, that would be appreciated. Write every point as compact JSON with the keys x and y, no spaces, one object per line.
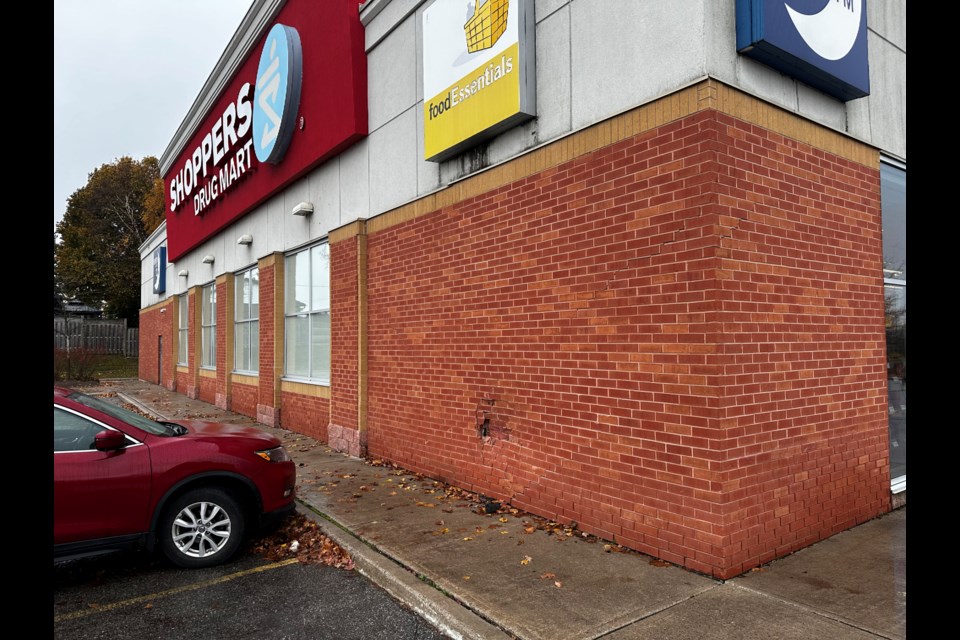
{"x":428,"y":602}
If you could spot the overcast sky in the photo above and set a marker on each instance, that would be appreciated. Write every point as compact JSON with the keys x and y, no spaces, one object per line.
{"x":125,"y":72}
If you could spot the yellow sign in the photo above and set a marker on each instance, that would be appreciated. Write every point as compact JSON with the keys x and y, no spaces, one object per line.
{"x":477,"y":72}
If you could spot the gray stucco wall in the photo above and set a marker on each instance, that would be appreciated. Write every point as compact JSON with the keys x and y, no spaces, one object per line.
{"x":594,"y":59}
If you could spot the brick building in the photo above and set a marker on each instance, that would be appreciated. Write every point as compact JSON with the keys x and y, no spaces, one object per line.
{"x":634,"y":265}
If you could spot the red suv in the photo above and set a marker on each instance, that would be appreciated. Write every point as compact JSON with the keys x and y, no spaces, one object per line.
{"x":193,"y":488}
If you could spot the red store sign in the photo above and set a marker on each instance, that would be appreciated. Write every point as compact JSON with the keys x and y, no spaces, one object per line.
{"x":298,"y":99}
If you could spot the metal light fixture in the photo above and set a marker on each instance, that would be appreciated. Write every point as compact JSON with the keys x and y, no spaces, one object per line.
{"x":208,"y":259}
{"x":245,"y":239}
{"x":183,"y":273}
{"x":303,"y":209}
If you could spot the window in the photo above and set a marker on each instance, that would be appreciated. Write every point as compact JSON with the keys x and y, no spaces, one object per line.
{"x":247,"y":321}
{"x":182,"y":331}
{"x":893,"y":204}
{"x":307,"y":314}
{"x":72,"y":432}
{"x":208,"y":326}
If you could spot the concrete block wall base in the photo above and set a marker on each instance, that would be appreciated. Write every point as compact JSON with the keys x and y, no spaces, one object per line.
{"x":268,"y":415}
{"x":345,"y":440}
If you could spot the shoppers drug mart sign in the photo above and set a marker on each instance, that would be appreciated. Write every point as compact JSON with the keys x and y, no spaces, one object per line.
{"x":479,"y":70}
{"x":298,"y":98}
{"x":820,"y":42}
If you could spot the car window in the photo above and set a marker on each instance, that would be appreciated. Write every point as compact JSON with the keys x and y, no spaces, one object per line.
{"x":146,"y":424}
{"x":72,"y":432}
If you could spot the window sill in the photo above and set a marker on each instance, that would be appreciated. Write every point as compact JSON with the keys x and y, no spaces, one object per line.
{"x":245,"y":377}
{"x":305,"y":387}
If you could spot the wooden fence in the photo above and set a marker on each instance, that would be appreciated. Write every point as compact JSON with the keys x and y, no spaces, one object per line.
{"x":95,"y":334}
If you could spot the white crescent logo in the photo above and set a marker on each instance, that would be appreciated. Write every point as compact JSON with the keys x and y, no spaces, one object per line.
{"x":832,"y":32}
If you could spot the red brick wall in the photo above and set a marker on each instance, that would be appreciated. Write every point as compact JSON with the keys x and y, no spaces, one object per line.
{"x":265,"y":410}
{"x":305,"y":414}
{"x":343,"y":333}
{"x":220,"y":393}
{"x":804,"y":402}
{"x":244,"y":399}
{"x":183,"y":382}
{"x":208,"y":389}
{"x":155,"y":323}
{"x":648,"y":334}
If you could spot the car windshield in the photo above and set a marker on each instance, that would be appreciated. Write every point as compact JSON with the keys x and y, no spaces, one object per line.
{"x":135,"y":419}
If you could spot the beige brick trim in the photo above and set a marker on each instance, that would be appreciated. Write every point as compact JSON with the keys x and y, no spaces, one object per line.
{"x":239,"y":378}
{"x":355,"y":228}
{"x":270,"y":260}
{"x":305,"y":389}
{"x":763,"y":114}
{"x":158,"y":305}
{"x":708,"y":94}
{"x":182,"y":369}
{"x":362,"y":334}
{"x":208,"y":373}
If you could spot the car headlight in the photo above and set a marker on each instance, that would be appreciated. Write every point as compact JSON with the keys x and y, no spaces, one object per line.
{"x":277,"y":454}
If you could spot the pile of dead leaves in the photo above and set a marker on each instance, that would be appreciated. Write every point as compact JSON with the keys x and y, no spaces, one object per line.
{"x":301,"y":538}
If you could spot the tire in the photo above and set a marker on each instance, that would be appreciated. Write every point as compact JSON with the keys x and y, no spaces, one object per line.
{"x":201,"y":528}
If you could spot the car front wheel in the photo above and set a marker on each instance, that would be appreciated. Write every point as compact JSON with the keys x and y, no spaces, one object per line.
{"x":201,"y":528}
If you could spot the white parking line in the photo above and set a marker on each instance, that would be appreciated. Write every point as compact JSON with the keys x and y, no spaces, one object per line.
{"x":170,"y":592}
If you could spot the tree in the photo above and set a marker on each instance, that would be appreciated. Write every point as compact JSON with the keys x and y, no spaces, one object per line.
{"x":98,"y":258}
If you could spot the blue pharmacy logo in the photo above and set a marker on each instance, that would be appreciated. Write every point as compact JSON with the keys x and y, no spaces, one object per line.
{"x":820,"y":42}
{"x":832,"y":31}
{"x":277,"y":97}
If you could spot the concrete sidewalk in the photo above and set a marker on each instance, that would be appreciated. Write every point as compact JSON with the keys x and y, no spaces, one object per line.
{"x":511,"y":575}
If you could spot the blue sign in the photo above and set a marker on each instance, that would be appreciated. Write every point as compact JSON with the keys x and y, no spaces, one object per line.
{"x":277,"y":97}
{"x":820,"y":42}
{"x":159,"y":269}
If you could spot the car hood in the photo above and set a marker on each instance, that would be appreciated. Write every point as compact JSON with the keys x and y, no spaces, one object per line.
{"x":206,"y":429}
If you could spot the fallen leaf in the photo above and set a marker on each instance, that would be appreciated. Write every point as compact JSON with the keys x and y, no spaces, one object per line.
{"x":148,"y":606}
{"x":526,"y":560}
{"x":504,"y":519}
{"x":468,"y":538}
{"x":558,"y":584}
{"x":504,"y":533}
{"x":549,"y":575}
{"x":659,"y":563}
{"x":529,"y":529}
{"x":466,"y":577}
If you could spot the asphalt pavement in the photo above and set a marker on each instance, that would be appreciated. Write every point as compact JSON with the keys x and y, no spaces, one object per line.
{"x":509,"y":574}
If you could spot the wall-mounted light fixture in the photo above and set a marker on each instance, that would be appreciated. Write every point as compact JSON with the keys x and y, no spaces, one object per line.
{"x":183,"y":273}
{"x":303,"y":209}
{"x":245,"y":239}
{"x":208,"y":259}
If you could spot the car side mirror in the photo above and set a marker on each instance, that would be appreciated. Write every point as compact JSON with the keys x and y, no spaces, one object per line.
{"x":109,"y":440}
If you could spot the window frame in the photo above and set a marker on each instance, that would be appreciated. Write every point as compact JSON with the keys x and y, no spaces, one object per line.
{"x":253,"y":346}
{"x":313,"y":376}
{"x":895,"y":278}
{"x":208,"y":326}
{"x":183,"y":330}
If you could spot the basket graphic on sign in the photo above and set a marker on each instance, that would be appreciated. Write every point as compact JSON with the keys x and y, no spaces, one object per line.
{"x":488,"y":23}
